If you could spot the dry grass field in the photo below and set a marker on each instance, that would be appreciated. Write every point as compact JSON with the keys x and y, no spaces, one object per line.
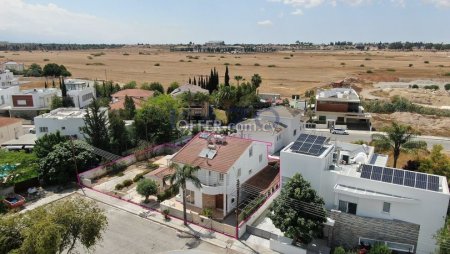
{"x":290,"y":72}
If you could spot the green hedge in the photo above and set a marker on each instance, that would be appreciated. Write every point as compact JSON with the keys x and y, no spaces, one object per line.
{"x":251,"y":207}
{"x":401,"y":104}
{"x":169,"y":193}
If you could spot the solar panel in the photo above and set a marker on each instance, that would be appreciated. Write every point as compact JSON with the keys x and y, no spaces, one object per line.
{"x":388,"y":173}
{"x":311,"y":139}
{"x":421,"y":181}
{"x":302,"y":137}
{"x":376,"y":173}
{"x":433,"y":183}
{"x":309,"y":144}
{"x":296,"y":146}
{"x":399,"y":176}
{"x":320,"y":140}
{"x":410,"y":179}
{"x":315,"y":152}
{"x":366,"y":171}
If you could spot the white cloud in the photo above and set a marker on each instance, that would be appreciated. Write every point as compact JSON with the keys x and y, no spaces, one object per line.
{"x":439,"y":3}
{"x":315,"y":3}
{"x":265,"y":23}
{"x":297,"y":12}
{"x":22,"y":21}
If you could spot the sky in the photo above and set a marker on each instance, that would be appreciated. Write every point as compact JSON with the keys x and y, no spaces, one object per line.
{"x":233,"y":21}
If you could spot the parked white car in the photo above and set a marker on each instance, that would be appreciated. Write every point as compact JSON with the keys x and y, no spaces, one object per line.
{"x":339,"y":131}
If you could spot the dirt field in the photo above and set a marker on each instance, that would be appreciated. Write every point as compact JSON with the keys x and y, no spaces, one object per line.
{"x":293,"y":72}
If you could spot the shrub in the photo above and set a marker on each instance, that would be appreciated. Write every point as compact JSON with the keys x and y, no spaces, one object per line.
{"x":339,"y":250}
{"x":238,"y":64}
{"x":181,"y":60}
{"x":271,"y":65}
{"x":166,"y":214}
{"x":256,"y":64}
{"x":115,"y":168}
{"x":119,"y":186}
{"x":426,"y":62}
{"x":169,"y":193}
{"x":441,"y":65}
{"x":222,"y":57}
{"x":96,"y":64}
{"x":140,"y":175}
{"x":156,"y":64}
{"x":292,"y":55}
{"x":380,"y":249}
{"x":146,"y":188}
{"x":362,"y":65}
{"x":415,"y":86}
{"x":120,"y":174}
{"x":152,"y":166}
{"x":226,"y":64}
{"x":432,"y":87}
{"x":208,"y":212}
{"x":251,"y":207}
{"x":286,"y":57}
{"x":127,"y":182}
{"x":342,"y":63}
{"x":369,"y":71}
{"x":400,"y":104}
{"x":46,"y":59}
{"x":367,"y":59}
{"x":126,"y":54}
{"x":98,"y":54}
{"x":447,"y":87}
{"x":447,"y":74}
{"x":90,"y":57}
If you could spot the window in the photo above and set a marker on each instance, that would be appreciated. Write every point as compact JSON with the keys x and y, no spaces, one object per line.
{"x":63,"y":128}
{"x":221,"y":177}
{"x":43,"y":129}
{"x":386,"y":207}
{"x":250,"y":152}
{"x":250,"y":172}
{"x":260,"y":157}
{"x":232,"y":200}
{"x":21,"y":102}
{"x":295,"y":132}
{"x":347,"y":207}
{"x":190,"y":196}
{"x":239,"y":173}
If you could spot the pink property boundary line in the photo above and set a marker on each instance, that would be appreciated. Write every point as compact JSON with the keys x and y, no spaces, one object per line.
{"x":134,"y":203}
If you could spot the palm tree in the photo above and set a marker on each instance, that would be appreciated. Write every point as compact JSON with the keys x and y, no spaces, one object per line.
{"x":238,"y":78}
{"x":398,"y":137}
{"x":225,"y":98}
{"x":178,"y":180}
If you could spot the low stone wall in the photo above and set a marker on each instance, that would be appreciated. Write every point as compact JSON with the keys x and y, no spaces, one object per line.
{"x":348,"y":228}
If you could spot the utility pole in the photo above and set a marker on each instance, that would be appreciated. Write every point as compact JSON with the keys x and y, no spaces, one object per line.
{"x":237,"y":208}
{"x":76,"y":167}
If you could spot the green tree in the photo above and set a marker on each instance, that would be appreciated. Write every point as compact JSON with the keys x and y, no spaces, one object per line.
{"x":58,"y":166}
{"x":157,"y":118}
{"x":146,"y":188}
{"x":52,"y":70}
{"x":35,"y":70}
{"x":55,"y":228}
{"x":225,"y":97}
{"x":380,"y":249}
{"x":56,"y":102}
{"x":178,"y":180}
{"x":118,"y":133}
{"x":227,"y":76}
{"x":63,"y":87}
{"x":130,"y":85}
{"x":443,"y":238}
{"x":95,"y":130}
{"x":399,"y":138}
{"x":238,"y":78}
{"x":436,"y":163}
{"x":129,"y":107}
{"x":172,"y":87}
{"x":44,"y":145}
{"x":298,"y":212}
{"x":339,"y":250}
{"x":447,"y":87}
{"x":256,"y":80}
{"x":156,"y":86}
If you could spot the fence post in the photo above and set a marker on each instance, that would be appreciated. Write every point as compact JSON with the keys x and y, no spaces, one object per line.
{"x":237,"y":209}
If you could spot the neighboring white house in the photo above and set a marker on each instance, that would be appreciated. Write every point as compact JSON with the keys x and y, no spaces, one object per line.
{"x":82,"y":92}
{"x":7,"y":79}
{"x":5,"y":96}
{"x":222,"y":160}
{"x":278,"y":125}
{"x":341,"y":106}
{"x":12,"y":66}
{"x":354,"y":180}
{"x":28,"y":103}
{"x":68,"y":121}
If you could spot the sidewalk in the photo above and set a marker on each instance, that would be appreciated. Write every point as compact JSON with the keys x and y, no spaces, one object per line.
{"x":47,"y":200}
{"x":204,"y":234}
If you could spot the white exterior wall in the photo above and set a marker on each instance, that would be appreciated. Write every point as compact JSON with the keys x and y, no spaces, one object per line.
{"x":7,"y":79}
{"x":427,"y":208}
{"x":274,"y":140}
{"x":77,"y":96}
{"x":228,"y":187}
{"x":10,"y":132}
{"x":292,"y":123}
{"x":5,"y":95}
{"x":71,"y":126}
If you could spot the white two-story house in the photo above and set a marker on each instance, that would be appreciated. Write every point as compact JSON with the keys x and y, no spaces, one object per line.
{"x":401,"y":208}
{"x":222,"y":160}
{"x":82,"y":92}
{"x":278,"y":126}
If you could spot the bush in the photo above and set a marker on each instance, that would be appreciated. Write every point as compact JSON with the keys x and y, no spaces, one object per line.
{"x":140,"y":175}
{"x":415,"y":86}
{"x":251,"y":207}
{"x":46,"y":59}
{"x":432,"y":87}
{"x":208,"y":212}
{"x":238,"y":64}
{"x":361,"y":65}
{"x":152,"y":166}
{"x":126,"y":54}
{"x":146,"y":188}
{"x":390,"y":69}
{"x":156,"y":64}
{"x":367,"y":59}
{"x":169,"y":193}
{"x":342,"y":63}
{"x":226,"y":64}
{"x":369,"y":71}
{"x":120,"y":174}
{"x":447,"y":87}
{"x":400,"y":104}
{"x":447,"y":74}
{"x":410,"y":65}
{"x":256,"y":64}
{"x":119,"y":186}
{"x":286,"y":57}
{"x":115,"y":168}
{"x":380,"y":249}
{"x":426,"y":62}
{"x":271,"y":65}
{"x":127,"y":182}
{"x":339,"y":250}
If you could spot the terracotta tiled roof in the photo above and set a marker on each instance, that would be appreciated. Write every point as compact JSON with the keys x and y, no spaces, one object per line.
{"x":138,"y":93}
{"x":119,"y":104}
{"x":264,"y":179}
{"x":225,"y":157}
{"x":5,"y":121}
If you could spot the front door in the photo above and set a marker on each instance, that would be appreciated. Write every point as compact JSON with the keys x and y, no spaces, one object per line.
{"x":219,"y":201}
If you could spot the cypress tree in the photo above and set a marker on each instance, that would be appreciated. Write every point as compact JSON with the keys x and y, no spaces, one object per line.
{"x":227,"y":77}
{"x":63,"y":88}
{"x":45,"y":85}
{"x":195,"y":82}
{"x":53,"y":83}
{"x":190,"y":82}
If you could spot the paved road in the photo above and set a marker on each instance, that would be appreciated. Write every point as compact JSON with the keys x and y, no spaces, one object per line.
{"x":129,"y":233}
{"x":366,"y":136}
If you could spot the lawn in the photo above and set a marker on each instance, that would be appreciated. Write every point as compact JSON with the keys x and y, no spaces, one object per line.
{"x":26,"y":164}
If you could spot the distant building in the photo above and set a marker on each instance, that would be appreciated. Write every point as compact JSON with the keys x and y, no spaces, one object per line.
{"x":28,"y":103}
{"x":82,"y":92}
{"x":12,"y":66}
{"x":10,"y":128}
{"x":68,"y":121}
{"x":5,"y":96}
{"x":341,"y":106}
{"x":195,"y":109}
{"x":214,"y":43}
{"x":139,"y":96}
{"x":7,"y":79}
{"x":368,"y":201}
{"x":273,"y":98}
